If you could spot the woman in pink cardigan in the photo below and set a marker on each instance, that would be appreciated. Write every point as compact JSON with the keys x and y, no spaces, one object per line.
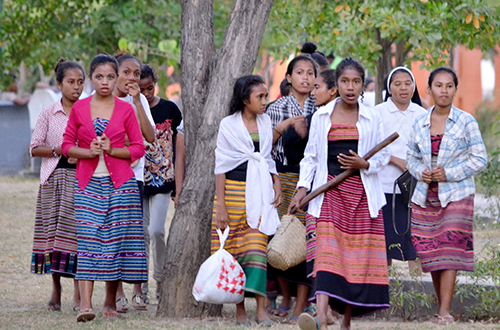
{"x":107,"y":202}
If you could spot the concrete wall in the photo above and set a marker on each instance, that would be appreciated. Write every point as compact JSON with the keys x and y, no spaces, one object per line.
{"x":15,"y":136}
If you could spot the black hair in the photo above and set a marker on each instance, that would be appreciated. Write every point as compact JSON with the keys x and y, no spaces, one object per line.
{"x":123,"y":56}
{"x":299,"y":58}
{"x":148,"y":71}
{"x":64,"y":65}
{"x":242,"y":90}
{"x":329,"y":78}
{"x":102,"y":59}
{"x":319,"y":57}
{"x":330,"y":55}
{"x":443,"y":69}
{"x":285,"y":87}
{"x":416,"y":96}
{"x":349,"y":62}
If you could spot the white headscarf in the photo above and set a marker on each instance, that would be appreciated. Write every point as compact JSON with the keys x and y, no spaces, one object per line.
{"x":400,"y":68}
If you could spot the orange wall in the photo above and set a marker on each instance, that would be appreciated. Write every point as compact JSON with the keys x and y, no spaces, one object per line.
{"x":496,"y":92}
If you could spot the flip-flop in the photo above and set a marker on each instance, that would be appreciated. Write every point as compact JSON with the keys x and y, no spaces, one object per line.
{"x":265,"y":323}
{"x":281,"y":310}
{"x":54,"y":307}
{"x":122,"y":305}
{"x":308,"y":322}
{"x":138,"y":303}
{"x":243,"y":323}
{"x":293,"y":320}
{"x":85,"y":316}
{"x":110,"y":315}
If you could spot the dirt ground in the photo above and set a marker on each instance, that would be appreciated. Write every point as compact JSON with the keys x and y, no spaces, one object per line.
{"x":23,"y":296}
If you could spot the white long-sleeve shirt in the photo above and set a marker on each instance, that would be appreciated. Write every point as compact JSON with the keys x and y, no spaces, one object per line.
{"x":314,"y":165}
{"x":395,"y":120}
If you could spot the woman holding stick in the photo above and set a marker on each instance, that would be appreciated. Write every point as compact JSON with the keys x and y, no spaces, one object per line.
{"x":350,"y":268}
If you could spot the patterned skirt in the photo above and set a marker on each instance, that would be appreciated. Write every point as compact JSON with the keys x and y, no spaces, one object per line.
{"x":247,"y":245}
{"x":350,"y":261}
{"x":110,"y":232}
{"x":443,"y":236}
{"x":297,"y":274}
{"x":54,"y":241}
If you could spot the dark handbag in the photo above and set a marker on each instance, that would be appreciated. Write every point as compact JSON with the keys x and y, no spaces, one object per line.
{"x":406,"y":183}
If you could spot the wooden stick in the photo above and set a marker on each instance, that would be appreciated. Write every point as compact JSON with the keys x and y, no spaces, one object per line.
{"x":344,"y":175}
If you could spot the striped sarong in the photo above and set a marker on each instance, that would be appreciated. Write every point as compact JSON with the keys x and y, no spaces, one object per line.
{"x":350,"y":262}
{"x":110,"y":232}
{"x":54,"y":241}
{"x":288,"y":185}
{"x":442,"y":237}
{"x":247,"y":245}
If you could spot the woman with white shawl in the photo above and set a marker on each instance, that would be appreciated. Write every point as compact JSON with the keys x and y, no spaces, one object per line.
{"x":243,"y":154}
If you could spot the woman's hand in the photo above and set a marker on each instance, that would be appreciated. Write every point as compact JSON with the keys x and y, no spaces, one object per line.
{"x":438,"y":174}
{"x":353,"y":162}
{"x":95,"y":148}
{"x":134,"y":91}
{"x":427,"y":176}
{"x":278,"y":195}
{"x":299,"y":196}
{"x":106,"y":144}
{"x":221,"y":216}
{"x":72,"y":160}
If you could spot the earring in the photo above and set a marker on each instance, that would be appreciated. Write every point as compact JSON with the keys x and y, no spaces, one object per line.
{"x":289,"y":82}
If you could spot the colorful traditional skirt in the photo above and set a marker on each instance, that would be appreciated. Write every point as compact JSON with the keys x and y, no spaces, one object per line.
{"x":110,"y":232}
{"x":247,"y":245}
{"x":350,"y":261}
{"x":297,"y":274}
{"x":54,"y":242}
{"x":399,"y":247}
{"x":443,"y":236}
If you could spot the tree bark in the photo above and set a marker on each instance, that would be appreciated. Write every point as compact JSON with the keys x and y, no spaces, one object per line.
{"x":383,"y":66}
{"x":402,"y":51}
{"x":208,"y":76}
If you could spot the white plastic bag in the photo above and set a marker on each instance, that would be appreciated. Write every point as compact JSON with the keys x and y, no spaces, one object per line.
{"x":221,"y":279}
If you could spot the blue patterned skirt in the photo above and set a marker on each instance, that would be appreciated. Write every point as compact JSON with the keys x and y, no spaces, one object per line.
{"x":110,"y":232}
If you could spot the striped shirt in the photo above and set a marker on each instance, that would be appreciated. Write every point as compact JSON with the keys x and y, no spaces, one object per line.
{"x":282,"y":109}
{"x":462,"y":154}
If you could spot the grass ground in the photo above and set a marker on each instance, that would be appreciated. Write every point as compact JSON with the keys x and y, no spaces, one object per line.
{"x":23,"y":296}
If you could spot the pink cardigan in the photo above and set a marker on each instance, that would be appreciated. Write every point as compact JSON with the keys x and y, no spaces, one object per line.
{"x":123,"y":122}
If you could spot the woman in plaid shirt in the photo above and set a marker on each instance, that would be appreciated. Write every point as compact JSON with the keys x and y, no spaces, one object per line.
{"x":445,"y":151}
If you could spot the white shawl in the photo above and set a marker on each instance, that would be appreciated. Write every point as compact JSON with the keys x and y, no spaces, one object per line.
{"x":234,"y":147}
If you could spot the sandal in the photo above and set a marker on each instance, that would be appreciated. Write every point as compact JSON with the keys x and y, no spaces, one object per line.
{"x":445,"y":320}
{"x":293,"y":320}
{"x":243,"y":323}
{"x":265,"y":323}
{"x":138,"y":303}
{"x":307,"y":322}
{"x":54,"y":307}
{"x":282,"y":311}
{"x":110,"y":315}
{"x":85,"y":316}
{"x":122,"y":305}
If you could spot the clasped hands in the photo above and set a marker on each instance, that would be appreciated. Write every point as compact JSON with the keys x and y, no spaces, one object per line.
{"x":438,"y":174}
{"x":102,"y":143}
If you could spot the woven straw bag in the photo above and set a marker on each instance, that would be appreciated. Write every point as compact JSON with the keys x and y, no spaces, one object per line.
{"x":288,"y":246}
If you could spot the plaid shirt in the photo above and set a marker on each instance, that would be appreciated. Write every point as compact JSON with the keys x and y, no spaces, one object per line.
{"x":462,"y":154}
{"x":282,"y":109}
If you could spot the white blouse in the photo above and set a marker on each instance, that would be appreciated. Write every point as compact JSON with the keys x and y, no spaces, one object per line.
{"x":314,"y":165}
{"x":395,"y":120}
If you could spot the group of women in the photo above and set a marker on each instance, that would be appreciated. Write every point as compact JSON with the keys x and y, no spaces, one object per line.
{"x":89,"y":221}
{"x":306,"y":139}
{"x":100,"y":199}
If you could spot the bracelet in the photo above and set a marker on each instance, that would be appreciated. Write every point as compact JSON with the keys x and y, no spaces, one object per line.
{"x":274,"y":129}
{"x":54,"y":153}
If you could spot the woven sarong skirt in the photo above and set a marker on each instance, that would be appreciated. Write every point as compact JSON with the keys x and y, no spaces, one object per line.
{"x":443,"y":237}
{"x":350,"y":263}
{"x":247,"y":245}
{"x":54,"y":240}
{"x":110,"y":232}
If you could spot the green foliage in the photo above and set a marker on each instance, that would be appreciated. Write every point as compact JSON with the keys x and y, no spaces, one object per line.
{"x":426,"y":29}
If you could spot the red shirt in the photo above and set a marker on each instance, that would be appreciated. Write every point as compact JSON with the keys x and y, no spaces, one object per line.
{"x":81,"y":128}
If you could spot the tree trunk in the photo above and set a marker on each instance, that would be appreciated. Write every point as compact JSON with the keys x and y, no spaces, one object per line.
{"x":384,"y":65}
{"x":208,"y":76}
{"x":402,"y":51}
